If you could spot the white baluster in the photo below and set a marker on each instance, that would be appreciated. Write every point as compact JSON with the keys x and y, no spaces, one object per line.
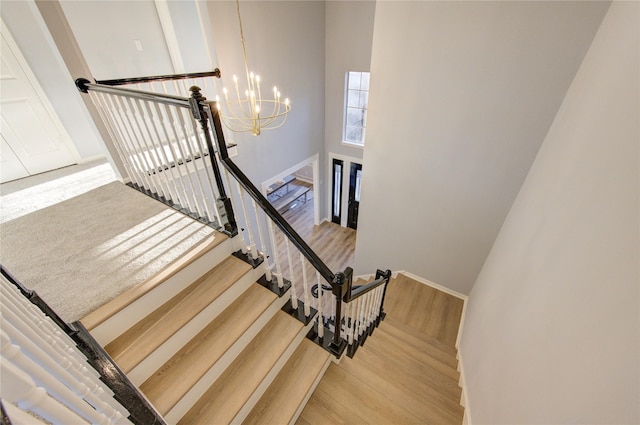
{"x":101,"y":414}
{"x":240,"y":242}
{"x":360,"y":318}
{"x":305,"y":288}
{"x":370,"y":307}
{"x":265,"y":264}
{"x":42,"y":324}
{"x":138,"y":149}
{"x":351,"y":324}
{"x":115,"y":133}
{"x":276,"y":257}
{"x":18,"y":416}
{"x":81,"y":385}
{"x":320,"y":309}
{"x":208,"y":168}
{"x":52,"y":338}
{"x":253,"y":250}
{"x":155,"y":141}
{"x":168,"y":157}
{"x":185,"y":138}
{"x":18,"y":387}
{"x":294,"y":280}
{"x":178,"y":154}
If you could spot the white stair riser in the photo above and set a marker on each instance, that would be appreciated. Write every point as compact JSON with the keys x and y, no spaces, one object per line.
{"x":117,"y":324}
{"x":171,"y":346}
{"x":266,"y":382}
{"x":194,"y":394}
{"x":307,"y":396}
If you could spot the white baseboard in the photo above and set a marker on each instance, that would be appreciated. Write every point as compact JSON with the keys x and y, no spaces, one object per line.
{"x":304,"y":179}
{"x":464,"y":398}
{"x":435,"y":285}
{"x":91,"y":159}
{"x":446,"y":290}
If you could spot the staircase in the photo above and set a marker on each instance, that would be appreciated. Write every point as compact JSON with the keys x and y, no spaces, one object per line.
{"x":406,"y":374}
{"x":207,"y":344}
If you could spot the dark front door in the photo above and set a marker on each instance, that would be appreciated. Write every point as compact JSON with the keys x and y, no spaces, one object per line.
{"x":336,"y":199}
{"x":355,"y":178}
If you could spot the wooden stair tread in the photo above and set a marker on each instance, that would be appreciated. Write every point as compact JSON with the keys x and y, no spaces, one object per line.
{"x":114,"y":306}
{"x":382,"y":366}
{"x":418,"y":337}
{"x":335,"y":394}
{"x":424,"y":308}
{"x":410,"y":336}
{"x":130,"y":348}
{"x":445,"y":376}
{"x":284,"y":396}
{"x":422,"y":354}
{"x":226,"y":397}
{"x":172,"y":381}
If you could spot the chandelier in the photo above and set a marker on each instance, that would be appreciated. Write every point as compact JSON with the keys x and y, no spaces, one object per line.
{"x":248,"y":111}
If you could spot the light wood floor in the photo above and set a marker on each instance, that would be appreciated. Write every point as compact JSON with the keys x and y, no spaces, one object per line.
{"x":334,"y":244}
{"x":406,"y":371}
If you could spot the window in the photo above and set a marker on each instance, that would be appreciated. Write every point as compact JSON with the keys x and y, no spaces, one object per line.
{"x":355,"y":110}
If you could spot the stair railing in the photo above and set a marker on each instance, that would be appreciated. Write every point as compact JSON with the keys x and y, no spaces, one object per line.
{"x":158,"y":133}
{"x":162,"y":147}
{"x":56,"y":370}
{"x":332,"y":298}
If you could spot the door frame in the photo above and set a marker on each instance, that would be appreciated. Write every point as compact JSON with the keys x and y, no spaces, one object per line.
{"x":46,"y":103}
{"x":314,"y":161}
{"x":346,"y":161}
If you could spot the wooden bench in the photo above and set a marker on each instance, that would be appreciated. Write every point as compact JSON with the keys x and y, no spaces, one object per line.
{"x":293,"y":194}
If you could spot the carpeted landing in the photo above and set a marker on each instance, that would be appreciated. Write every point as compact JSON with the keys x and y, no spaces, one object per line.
{"x":83,"y":252}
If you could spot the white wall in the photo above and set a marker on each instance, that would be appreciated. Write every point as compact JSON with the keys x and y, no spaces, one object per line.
{"x":106,"y":31}
{"x":348,"y":39}
{"x":285,"y":44}
{"x":552,"y":329}
{"x":462,"y":95}
{"x":36,"y":44}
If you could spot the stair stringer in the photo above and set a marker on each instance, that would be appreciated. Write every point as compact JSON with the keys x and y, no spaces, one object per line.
{"x":173,"y":344}
{"x":137,"y":310}
{"x":194,"y":394}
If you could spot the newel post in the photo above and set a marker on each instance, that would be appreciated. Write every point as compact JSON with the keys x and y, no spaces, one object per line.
{"x":387,"y":275}
{"x":340,"y":286}
{"x":224,"y":203}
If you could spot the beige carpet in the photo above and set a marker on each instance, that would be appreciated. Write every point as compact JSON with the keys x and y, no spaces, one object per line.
{"x":82,"y":252}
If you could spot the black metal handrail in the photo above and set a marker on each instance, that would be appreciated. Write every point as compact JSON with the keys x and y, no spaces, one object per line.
{"x":358,"y":291}
{"x":254,"y":192}
{"x":137,"y":80}
{"x":85,"y":85}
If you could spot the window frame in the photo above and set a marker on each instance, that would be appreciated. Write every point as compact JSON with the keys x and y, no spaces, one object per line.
{"x":362,"y":106}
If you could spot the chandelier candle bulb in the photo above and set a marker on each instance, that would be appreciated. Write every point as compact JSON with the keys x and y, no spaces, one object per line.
{"x":243,"y":114}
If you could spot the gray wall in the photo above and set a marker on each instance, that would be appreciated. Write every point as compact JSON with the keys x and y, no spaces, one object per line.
{"x":552,"y":326}
{"x":462,"y":95}
{"x":285,"y":43}
{"x":36,"y":44}
{"x":106,"y":30}
{"x":348,"y":38}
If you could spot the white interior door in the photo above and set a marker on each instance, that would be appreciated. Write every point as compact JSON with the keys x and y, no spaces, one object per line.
{"x":31,"y":132}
